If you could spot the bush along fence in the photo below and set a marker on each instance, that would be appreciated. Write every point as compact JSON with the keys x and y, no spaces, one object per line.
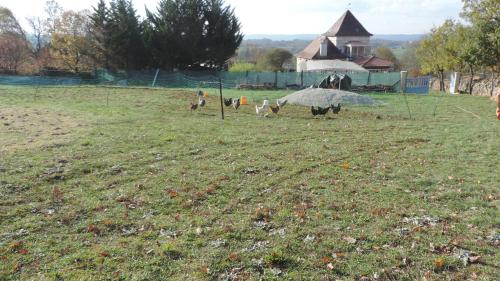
{"x":200,"y":79}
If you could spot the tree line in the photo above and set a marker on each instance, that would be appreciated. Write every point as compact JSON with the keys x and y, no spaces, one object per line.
{"x":464,"y":47}
{"x":179,"y":34}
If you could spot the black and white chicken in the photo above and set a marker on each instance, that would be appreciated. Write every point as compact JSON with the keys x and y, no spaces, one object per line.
{"x":236,"y":104}
{"x":202,"y":102}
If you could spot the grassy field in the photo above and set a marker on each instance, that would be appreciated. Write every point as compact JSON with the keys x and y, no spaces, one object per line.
{"x":127,"y":184}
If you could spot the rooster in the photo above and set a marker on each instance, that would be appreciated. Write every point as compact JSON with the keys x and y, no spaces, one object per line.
{"x":275,"y":110}
{"x":194,"y":106}
{"x":236,"y":104}
{"x":336,"y":109}
{"x":202,"y":102}
{"x":228,"y":102}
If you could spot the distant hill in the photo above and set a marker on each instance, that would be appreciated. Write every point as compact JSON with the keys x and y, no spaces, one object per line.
{"x":292,"y":37}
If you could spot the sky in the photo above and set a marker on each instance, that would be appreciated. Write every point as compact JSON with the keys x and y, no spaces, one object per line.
{"x":299,"y":16}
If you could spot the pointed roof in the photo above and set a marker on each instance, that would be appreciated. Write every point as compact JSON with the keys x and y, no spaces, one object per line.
{"x":312,"y":51}
{"x":347,"y":25}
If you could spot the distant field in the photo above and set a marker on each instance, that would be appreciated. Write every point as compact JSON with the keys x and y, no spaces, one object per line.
{"x":127,"y":184}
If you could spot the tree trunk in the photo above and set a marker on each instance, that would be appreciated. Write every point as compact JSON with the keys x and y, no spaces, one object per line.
{"x":441,"y":80}
{"x":471,"y":81}
{"x":494,"y":77}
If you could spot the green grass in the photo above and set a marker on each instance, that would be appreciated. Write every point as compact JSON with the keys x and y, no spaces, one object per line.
{"x":127,"y":184}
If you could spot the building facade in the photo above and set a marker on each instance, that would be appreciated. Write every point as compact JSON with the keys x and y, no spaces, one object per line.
{"x":346,"y":40}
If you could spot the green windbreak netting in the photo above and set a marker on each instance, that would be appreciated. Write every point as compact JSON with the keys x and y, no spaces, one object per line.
{"x":193,"y":79}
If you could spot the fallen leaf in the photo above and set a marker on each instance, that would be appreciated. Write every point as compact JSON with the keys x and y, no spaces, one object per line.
{"x":23,"y":252}
{"x":439,"y":263}
{"x":326,"y":260}
{"x":93,"y":229}
{"x":350,"y":240}
{"x":16,"y":245}
{"x":234,"y":256}
{"x":172,"y":193}
{"x":345,"y":166}
{"x":104,"y":254}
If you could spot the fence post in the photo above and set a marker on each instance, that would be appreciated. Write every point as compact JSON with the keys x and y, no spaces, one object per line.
{"x":221,"y":102}
{"x":246,"y":76}
{"x":276,"y":79}
{"x":369,"y":78}
{"x":302,"y":79}
{"x":156,"y":76}
{"x":402,"y":83}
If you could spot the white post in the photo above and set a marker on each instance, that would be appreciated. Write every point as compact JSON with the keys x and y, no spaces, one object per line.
{"x":404,"y":76}
{"x":156,"y":76}
{"x":454,"y":83}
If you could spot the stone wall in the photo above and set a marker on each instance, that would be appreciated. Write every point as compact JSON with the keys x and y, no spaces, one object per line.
{"x":482,"y":86}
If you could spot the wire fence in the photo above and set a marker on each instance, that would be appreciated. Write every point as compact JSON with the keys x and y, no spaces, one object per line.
{"x":197,"y":79}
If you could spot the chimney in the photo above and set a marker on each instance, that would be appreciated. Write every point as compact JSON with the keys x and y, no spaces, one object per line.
{"x":323,"y":48}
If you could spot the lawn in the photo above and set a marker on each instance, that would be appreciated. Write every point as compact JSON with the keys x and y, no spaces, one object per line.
{"x":128,"y":184}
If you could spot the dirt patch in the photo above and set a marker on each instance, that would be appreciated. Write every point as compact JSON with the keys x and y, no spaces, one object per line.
{"x":27,"y":128}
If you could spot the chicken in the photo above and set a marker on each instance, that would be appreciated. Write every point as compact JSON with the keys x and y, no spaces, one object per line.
{"x":336,"y":109}
{"x":319,"y":111}
{"x":194,"y":106}
{"x":275,"y":110}
{"x":228,"y":102}
{"x":236,"y":104}
{"x":202,"y":102}
{"x":314,"y":111}
{"x":281,"y":104}
{"x":262,"y":109}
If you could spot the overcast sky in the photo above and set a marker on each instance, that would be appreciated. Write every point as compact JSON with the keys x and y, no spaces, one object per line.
{"x":301,"y":16}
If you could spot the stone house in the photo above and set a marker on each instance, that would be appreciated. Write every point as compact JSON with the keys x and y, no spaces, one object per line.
{"x":346,"y":40}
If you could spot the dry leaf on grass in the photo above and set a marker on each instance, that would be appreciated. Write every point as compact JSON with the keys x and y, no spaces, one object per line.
{"x":350,"y":240}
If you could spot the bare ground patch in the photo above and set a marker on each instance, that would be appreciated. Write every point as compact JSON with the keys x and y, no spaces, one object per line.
{"x":28,"y":128}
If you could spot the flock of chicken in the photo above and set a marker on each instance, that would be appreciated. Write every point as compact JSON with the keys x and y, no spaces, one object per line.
{"x":320,"y":111}
{"x":266,"y":106}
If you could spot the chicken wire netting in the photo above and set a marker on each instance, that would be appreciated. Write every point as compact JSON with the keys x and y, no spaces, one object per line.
{"x":196,"y":79}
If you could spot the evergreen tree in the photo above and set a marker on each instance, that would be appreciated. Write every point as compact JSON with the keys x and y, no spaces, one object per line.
{"x":126,"y":47}
{"x":191,"y":33}
{"x":223,"y":36}
{"x":99,"y":26}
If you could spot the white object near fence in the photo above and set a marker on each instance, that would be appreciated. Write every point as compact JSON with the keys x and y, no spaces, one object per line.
{"x":404,"y":76}
{"x":454,"y":82}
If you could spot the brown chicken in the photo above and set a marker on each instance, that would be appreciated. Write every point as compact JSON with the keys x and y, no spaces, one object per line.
{"x":275,"y":110}
{"x":194,"y":106}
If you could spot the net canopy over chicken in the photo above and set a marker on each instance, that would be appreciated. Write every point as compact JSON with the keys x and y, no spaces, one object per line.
{"x":326,"y":98}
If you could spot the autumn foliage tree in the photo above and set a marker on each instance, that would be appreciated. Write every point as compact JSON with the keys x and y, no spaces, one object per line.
{"x":71,"y":45}
{"x":14,"y":48}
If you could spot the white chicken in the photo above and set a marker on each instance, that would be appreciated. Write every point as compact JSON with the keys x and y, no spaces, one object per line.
{"x":264,"y":109}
